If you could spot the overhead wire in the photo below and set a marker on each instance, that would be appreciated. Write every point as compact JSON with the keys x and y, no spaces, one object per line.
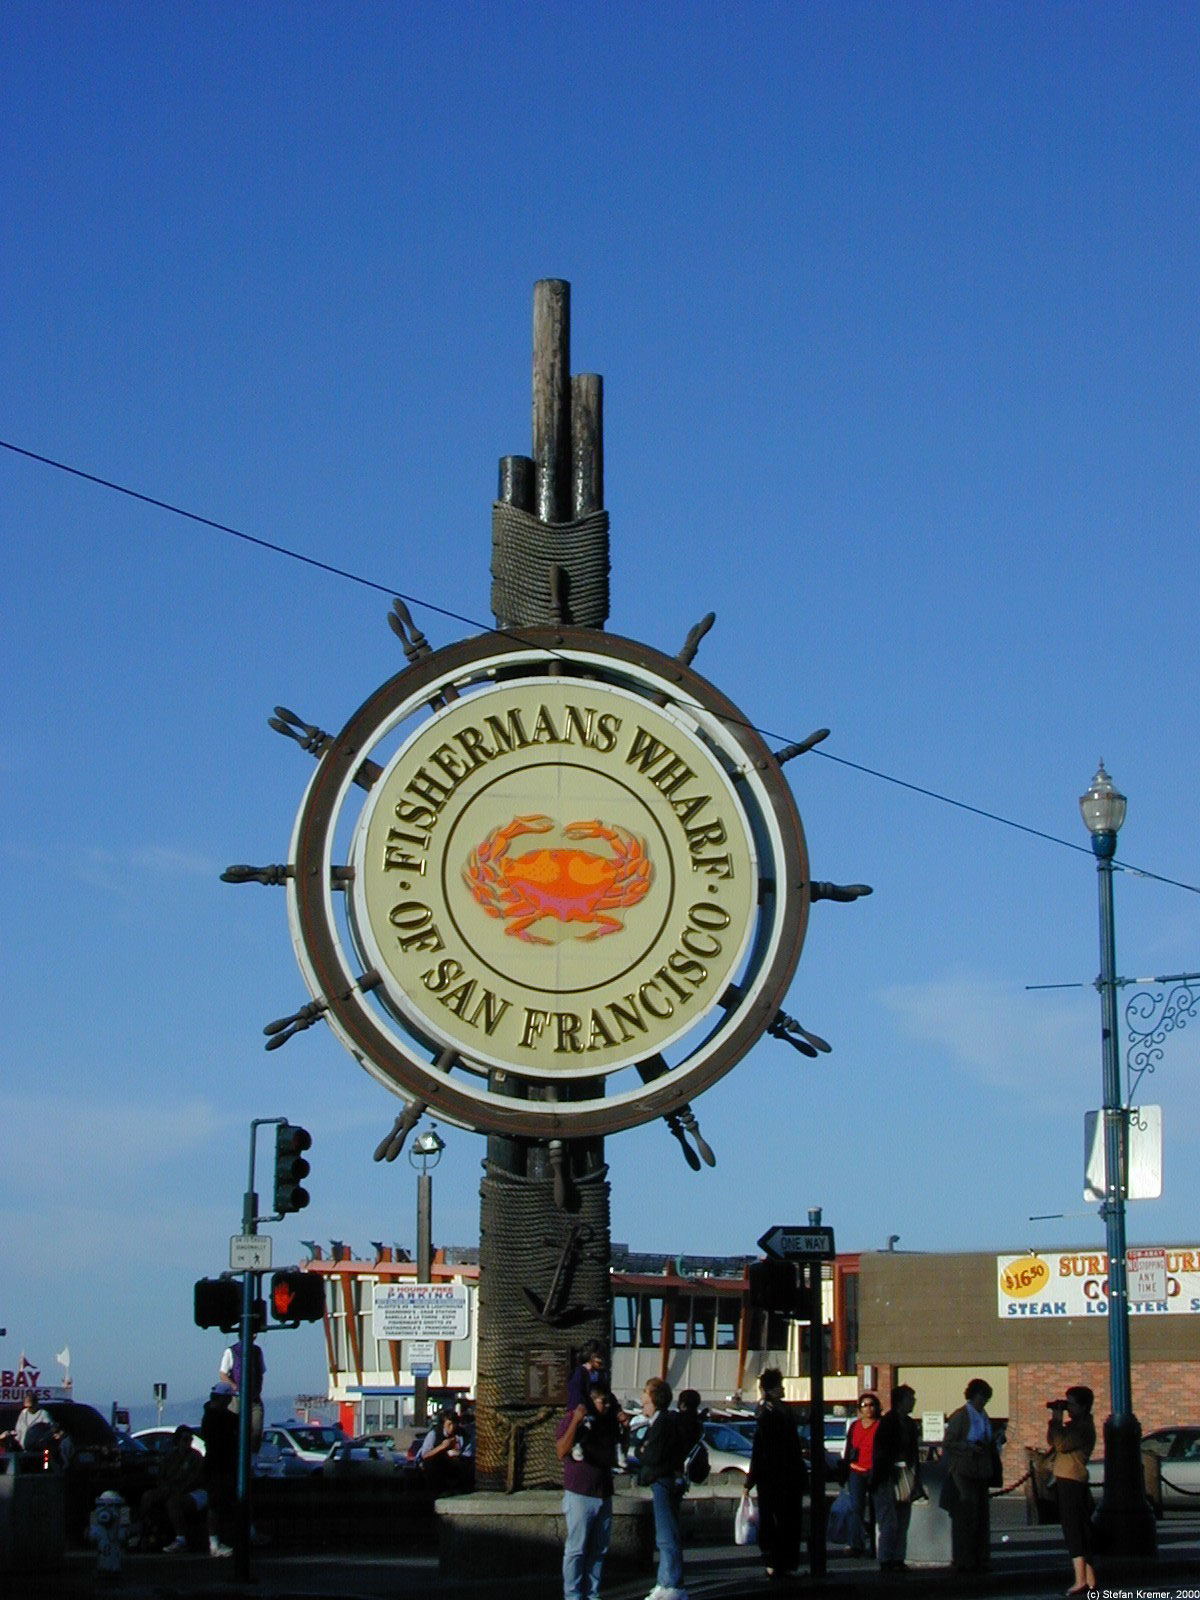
{"x":486,"y":627}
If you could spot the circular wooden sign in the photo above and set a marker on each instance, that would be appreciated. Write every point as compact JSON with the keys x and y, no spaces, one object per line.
{"x":574,"y":896}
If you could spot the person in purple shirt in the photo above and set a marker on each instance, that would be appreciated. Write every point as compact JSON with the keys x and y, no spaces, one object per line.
{"x":586,"y":1444}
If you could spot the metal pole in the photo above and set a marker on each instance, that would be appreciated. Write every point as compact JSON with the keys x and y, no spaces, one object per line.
{"x":241,"y":1540}
{"x":816,"y":1416}
{"x":1114,"y":1163}
{"x":424,"y":1275}
{"x":1124,"y":1520}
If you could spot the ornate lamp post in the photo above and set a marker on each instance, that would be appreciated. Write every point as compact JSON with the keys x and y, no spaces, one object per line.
{"x":1125,"y":1519}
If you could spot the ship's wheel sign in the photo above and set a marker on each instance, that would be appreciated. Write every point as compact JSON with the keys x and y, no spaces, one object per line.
{"x":575,"y":864}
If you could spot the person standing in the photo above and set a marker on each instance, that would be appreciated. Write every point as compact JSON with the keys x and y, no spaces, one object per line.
{"x":860,"y":1449}
{"x":895,"y":1478}
{"x":32,"y":1415}
{"x":586,"y":1444}
{"x":1073,"y":1442}
{"x":661,"y":1471}
{"x":778,"y":1472}
{"x":219,"y":1430}
{"x":970,"y":1452}
{"x":231,"y":1373}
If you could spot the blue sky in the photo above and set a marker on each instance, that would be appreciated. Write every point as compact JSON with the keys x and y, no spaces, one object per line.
{"x":895,"y":306}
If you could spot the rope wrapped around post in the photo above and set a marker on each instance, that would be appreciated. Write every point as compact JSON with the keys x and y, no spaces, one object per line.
{"x":523,"y":551}
{"x":540,"y":1261}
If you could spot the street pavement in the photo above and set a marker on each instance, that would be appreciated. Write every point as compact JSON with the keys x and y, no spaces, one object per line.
{"x":1026,"y":1561}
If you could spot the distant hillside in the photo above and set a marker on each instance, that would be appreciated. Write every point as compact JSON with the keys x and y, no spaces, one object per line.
{"x":276,"y":1408}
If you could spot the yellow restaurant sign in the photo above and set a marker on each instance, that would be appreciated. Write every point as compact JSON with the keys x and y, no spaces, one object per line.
{"x":1074,"y":1283}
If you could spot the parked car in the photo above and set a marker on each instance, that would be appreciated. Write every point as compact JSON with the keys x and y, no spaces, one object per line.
{"x":370,"y":1455}
{"x":1178,"y":1452}
{"x":1176,"y":1456}
{"x":297,"y":1447}
{"x":835,"y":1429}
{"x":160,"y":1440}
{"x":729,"y":1448}
{"x":97,"y":1459}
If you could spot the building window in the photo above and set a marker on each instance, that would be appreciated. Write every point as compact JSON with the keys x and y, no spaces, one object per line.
{"x":625,"y":1320}
{"x":704,"y":1311}
{"x":651,"y":1319}
{"x":681,"y":1319}
{"x":728,"y":1312}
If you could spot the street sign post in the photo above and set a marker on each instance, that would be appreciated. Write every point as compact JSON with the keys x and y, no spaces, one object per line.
{"x":808,"y":1246}
{"x":798,"y":1243}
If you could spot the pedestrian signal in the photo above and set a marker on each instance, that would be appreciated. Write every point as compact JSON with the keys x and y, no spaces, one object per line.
{"x":773,"y":1287}
{"x":217,"y":1303}
{"x":297,"y":1296}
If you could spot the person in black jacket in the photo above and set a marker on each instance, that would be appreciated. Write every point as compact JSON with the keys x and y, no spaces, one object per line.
{"x":895,"y":1478}
{"x":779,"y":1473}
{"x":219,"y":1430}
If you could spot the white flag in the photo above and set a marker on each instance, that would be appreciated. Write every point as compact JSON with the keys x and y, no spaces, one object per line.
{"x":64,"y":1356}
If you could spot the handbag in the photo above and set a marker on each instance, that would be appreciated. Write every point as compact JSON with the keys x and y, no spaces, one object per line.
{"x":745,"y":1521}
{"x":841,"y":1519}
{"x":905,"y":1481}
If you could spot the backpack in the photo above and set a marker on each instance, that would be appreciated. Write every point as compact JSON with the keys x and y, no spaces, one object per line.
{"x":696,"y":1463}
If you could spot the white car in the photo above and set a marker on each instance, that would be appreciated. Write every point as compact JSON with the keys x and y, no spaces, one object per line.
{"x":728,"y":1449}
{"x":298,"y":1447}
{"x":160,"y":1440}
{"x":1178,"y":1452}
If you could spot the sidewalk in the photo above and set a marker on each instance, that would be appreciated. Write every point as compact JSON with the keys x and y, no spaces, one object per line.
{"x":1025,"y":1561}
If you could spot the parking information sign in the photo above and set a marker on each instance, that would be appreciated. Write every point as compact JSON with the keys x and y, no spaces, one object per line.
{"x":420,"y":1357}
{"x":420,"y":1311}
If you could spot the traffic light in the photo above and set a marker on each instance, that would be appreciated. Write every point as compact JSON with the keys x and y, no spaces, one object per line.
{"x":297,"y":1296}
{"x":773,"y":1286}
{"x":291,"y":1168}
{"x":218,"y":1303}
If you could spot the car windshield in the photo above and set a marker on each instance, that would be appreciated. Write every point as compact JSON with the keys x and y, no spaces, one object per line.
{"x":722,"y":1438}
{"x":315,"y":1438}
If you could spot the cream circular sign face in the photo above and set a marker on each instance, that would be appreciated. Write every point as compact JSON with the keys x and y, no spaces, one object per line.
{"x":555,"y":876}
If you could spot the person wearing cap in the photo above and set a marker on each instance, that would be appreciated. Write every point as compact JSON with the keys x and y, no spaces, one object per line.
{"x":219,"y":1430}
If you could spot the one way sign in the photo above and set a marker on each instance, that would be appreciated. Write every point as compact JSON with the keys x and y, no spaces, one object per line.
{"x":798,"y":1244}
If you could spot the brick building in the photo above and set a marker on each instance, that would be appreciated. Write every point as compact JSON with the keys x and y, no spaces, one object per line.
{"x":936,"y":1321}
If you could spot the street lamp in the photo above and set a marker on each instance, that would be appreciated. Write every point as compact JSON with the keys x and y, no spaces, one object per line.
{"x":425,"y":1152}
{"x":1124,"y":1518}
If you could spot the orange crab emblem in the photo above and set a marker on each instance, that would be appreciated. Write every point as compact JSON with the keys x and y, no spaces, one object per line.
{"x":568,"y":885}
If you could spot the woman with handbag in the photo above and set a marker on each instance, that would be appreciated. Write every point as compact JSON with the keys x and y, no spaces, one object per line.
{"x":895,"y":1478}
{"x":972,"y":1457}
{"x":778,"y":1472}
{"x":1073,"y":1442}
{"x":860,"y":1449}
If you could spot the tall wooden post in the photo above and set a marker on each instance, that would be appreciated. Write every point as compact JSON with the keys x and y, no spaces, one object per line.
{"x":544,"y":1208}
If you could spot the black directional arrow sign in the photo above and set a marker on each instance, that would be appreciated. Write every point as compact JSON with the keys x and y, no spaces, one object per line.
{"x":798,"y":1244}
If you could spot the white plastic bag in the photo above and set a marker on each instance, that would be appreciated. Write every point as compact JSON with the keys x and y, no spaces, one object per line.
{"x":745,"y":1521}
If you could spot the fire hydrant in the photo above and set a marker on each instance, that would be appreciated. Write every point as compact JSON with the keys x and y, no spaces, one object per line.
{"x":107,"y":1530}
